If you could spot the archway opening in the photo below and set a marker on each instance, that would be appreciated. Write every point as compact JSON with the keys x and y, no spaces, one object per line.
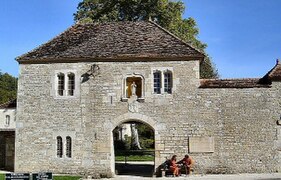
{"x":134,"y":149}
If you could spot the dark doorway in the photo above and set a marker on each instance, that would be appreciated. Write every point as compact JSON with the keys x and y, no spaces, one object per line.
{"x":7,"y":150}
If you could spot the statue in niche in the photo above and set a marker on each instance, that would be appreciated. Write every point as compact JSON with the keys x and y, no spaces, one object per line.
{"x":133,"y":88}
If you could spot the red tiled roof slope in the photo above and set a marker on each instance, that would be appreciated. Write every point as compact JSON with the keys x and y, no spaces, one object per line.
{"x":9,"y":105}
{"x":274,"y":74}
{"x":233,"y":83}
{"x":112,"y":41}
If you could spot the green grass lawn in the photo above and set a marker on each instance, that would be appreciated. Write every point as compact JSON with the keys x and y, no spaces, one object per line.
{"x":135,"y":158}
{"x":2,"y":176}
{"x":66,"y":177}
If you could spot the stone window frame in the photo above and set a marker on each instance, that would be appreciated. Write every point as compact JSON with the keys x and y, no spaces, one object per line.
{"x":70,"y":84}
{"x":68,"y":147}
{"x":59,"y":147}
{"x":67,"y":92}
{"x":7,"y":120}
{"x":168,"y":81}
{"x":124,"y":85}
{"x":64,"y":134}
{"x":163,"y":70}
{"x":60,"y":84}
{"x":157,"y":85}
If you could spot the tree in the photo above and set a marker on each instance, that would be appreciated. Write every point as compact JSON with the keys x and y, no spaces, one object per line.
{"x":135,"y":143}
{"x":8,"y":87}
{"x":166,"y":13}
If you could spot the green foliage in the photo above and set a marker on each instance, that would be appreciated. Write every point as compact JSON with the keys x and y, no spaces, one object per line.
{"x":2,"y":176}
{"x":166,"y":13}
{"x":145,"y":131}
{"x":122,"y":145}
{"x":147,"y":143}
{"x":8,"y":87}
{"x":146,"y":136}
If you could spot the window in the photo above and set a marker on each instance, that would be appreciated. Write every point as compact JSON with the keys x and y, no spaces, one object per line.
{"x":162,"y":81}
{"x":7,"y":120}
{"x":71,"y":84}
{"x":60,"y":84}
{"x":66,"y":84}
{"x":68,"y":146}
{"x":157,"y":82}
{"x":59,"y":147}
{"x":168,"y":82}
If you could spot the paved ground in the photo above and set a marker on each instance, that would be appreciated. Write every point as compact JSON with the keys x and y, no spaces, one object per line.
{"x":275,"y":176}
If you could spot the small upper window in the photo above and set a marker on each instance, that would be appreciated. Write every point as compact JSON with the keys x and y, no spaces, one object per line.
{"x":68,"y":146}
{"x":71,"y":84}
{"x":157,"y":82}
{"x":61,"y":83}
{"x":168,"y":82}
{"x":66,"y":84}
{"x":8,"y":118}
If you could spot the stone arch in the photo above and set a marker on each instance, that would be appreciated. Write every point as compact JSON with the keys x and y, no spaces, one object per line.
{"x":143,"y":119}
{"x":134,"y":116}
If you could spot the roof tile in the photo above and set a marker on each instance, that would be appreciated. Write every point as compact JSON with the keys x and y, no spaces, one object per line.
{"x":114,"y":40}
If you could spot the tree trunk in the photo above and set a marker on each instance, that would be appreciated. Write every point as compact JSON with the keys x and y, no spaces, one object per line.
{"x":135,"y":144}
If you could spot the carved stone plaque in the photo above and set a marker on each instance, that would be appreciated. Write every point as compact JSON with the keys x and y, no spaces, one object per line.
{"x":201,"y":144}
{"x":133,"y":104}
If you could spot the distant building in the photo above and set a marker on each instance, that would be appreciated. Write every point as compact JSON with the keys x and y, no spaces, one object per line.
{"x":7,"y":135}
{"x":77,"y":88}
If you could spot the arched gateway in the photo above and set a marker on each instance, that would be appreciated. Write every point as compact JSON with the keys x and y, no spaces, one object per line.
{"x":129,"y":117}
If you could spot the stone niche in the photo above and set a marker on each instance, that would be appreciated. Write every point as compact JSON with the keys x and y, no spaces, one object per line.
{"x":201,"y":144}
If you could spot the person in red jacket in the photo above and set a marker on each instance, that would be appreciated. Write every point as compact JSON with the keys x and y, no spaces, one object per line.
{"x":173,"y":166}
{"x":187,"y":163}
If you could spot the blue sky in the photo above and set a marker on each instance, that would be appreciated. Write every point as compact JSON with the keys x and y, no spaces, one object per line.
{"x":243,"y":36}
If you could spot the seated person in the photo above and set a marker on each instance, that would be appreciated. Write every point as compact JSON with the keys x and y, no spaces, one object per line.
{"x":187,"y":163}
{"x":173,"y":166}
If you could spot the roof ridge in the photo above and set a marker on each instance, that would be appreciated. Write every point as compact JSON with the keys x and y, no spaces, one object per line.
{"x":273,"y":69}
{"x":8,"y":102}
{"x":173,"y":35}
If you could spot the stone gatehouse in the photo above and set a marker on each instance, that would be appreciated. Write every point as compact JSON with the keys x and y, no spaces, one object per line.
{"x":75,"y":89}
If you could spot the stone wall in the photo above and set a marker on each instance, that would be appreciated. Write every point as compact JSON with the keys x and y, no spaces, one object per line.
{"x":242,"y":122}
{"x":10,"y":123}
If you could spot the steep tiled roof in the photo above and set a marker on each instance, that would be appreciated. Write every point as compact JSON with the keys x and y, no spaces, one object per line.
{"x":9,"y":105}
{"x":274,"y":74}
{"x":233,"y":83}
{"x":131,"y":41}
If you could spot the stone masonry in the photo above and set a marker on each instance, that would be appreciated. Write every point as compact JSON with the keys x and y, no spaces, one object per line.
{"x":225,"y":128}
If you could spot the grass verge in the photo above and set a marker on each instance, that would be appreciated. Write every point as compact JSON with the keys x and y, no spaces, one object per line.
{"x":135,"y":158}
{"x":66,"y":177}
